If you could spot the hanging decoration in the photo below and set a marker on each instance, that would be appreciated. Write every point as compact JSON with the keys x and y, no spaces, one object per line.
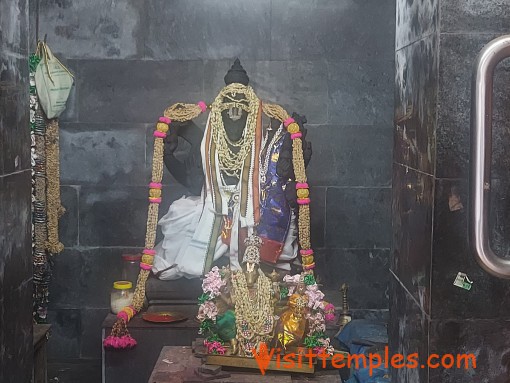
{"x":45,"y":162}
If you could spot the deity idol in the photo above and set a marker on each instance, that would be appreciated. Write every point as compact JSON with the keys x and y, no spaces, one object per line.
{"x":253,"y":208}
{"x":247,"y":188}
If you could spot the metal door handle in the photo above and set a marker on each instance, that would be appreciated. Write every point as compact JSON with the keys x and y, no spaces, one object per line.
{"x":481,"y":156}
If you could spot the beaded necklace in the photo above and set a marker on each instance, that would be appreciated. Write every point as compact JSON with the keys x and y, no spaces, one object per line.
{"x":231,"y":161}
{"x":254,"y":316}
{"x":264,"y":164}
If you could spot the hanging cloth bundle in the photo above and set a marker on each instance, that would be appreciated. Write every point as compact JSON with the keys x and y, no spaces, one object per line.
{"x":53,"y":81}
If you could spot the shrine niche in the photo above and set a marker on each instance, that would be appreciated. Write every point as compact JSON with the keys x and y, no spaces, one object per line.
{"x":244,"y":229}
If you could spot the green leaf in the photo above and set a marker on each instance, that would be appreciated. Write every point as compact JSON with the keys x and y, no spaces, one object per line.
{"x":204,"y":298}
{"x":309,"y":280}
{"x":284,"y":291}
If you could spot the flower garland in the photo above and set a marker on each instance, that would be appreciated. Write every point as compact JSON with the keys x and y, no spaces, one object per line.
{"x":120,"y":337}
{"x":302,"y":189}
{"x":212,"y":285}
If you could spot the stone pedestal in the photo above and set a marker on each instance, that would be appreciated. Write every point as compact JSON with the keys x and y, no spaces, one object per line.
{"x":178,"y":364}
{"x":136,"y":365}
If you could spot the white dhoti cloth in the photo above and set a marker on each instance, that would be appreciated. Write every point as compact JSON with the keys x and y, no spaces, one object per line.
{"x":180,"y":253}
{"x":191,"y":223}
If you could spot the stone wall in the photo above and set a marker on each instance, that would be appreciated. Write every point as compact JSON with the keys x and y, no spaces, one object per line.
{"x":15,"y":193}
{"x":330,"y":60}
{"x":437,"y":42}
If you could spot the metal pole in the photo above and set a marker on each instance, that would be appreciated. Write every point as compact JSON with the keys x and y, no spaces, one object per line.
{"x":481,"y":154}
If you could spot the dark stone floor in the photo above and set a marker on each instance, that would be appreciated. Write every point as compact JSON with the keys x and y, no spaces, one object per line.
{"x":75,"y":371}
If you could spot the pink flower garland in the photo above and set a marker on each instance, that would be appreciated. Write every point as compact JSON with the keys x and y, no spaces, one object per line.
{"x":213,"y":283}
{"x":330,"y":312}
{"x":214,"y":347}
{"x":207,"y":310}
{"x":123,"y":342}
{"x":315,"y":296}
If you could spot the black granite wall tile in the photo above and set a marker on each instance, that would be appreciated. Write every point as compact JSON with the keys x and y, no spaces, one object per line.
{"x":16,"y":348}
{"x":412,"y":210}
{"x":13,"y":72}
{"x":15,"y":225}
{"x":416,"y":80}
{"x":14,"y":130}
{"x":408,"y":333}
{"x":458,"y":53}
{"x":68,"y":224}
{"x":208,"y":29}
{"x":415,"y":20}
{"x":93,"y":29}
{"x":358,"y":218}
{"x":15,"y":277}
{"x":364,"y":270}
{"x":91,"y":320}
{"x":103,"y":154}
{"x":332,"y":29}
{"x":116,"y":216}
{"x":14,"y":27}
{"x":361,"y":92}
{"x":350,"y":155}
{"x":317,"y":216}
{"x":483,"y":341}
{"x":299,"y":86}
{"x":16,"y":351}
{"x":32,"y":25}
{"x":451,"y":255}
{"x":64,"y":342}
{"x":475,"y":17}
{"x":113,"y":216}
{"x":83,"y":277}
{"x":135,"y":91}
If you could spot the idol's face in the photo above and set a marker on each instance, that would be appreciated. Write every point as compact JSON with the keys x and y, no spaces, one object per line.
{"x":251,"y":276}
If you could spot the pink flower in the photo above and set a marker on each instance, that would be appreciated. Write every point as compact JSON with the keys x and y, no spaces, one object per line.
{"x":324,"y":342}
{"x":212,"y":282}
{"x":207,"y":310}
{"x":316,"y":323}
{"x":318,"y":350}
{"x":293,"y":279}
{"x":123,"y":342}
{"x":315,"y":296}
{"x":214,"y":347}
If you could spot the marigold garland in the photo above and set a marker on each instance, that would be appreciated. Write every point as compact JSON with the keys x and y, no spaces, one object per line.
{"x":177,"y":112}
{"x":302,"y":190}
{"x":53,"y":204}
